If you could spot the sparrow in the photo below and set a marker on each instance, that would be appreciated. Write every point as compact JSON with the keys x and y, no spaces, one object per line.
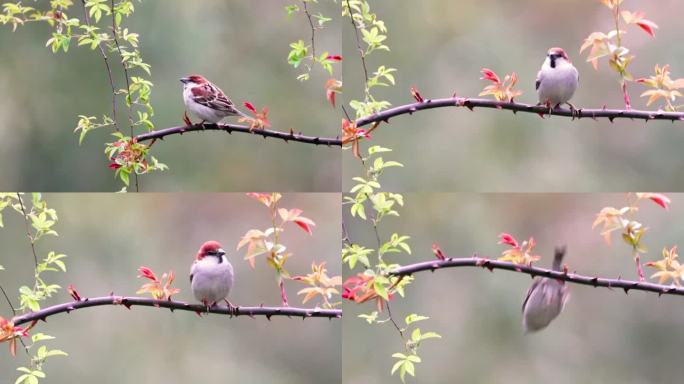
{"x":211,"y":275}
{"x":545,"y":299}
{"x":556,"y":80}
{"x":207,"y":101}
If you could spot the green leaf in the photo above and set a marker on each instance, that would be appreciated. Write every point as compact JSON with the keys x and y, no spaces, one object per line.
{"x":396,"y":366}
{"x":56,"y":352}
{"x":380,"y":289}
{"x":430,"y":335}
{"x":40,"y":337}
{"x":370,"y":318}
{"x":412,"y":318}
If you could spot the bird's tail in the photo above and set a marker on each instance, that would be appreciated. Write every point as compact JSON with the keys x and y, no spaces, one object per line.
{"x":242,"y":114}
{"x":558,"y":255}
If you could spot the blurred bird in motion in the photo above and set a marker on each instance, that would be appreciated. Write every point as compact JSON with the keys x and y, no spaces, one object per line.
{"x":545,"y":299}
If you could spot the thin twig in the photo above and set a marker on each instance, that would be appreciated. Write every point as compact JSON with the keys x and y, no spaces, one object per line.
{"x":28,"y":229}
{"x":358,"y":44}
{"x":14,"y":312}
{"x":313,"y":31}
{"x":389,"y":313}
{"x":109,"y":70}
{"x":128,"y":302}
{"x":345,"y":235}
{"x":230,"y":128}
{"x":472,"y":103}
{"x":490,"y":264}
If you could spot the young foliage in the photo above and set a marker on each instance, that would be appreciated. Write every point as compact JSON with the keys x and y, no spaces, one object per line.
{"x":610,"y":44}
{"x":40,"y":221}
{"x":632,"y":231}
{"x":100,"y":29}
{"x":268,"y":242}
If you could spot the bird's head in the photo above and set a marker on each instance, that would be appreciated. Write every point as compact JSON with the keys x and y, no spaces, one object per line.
{"x":557,"y":55}
{"x":211,"y":249}
{"x":193,"y":80}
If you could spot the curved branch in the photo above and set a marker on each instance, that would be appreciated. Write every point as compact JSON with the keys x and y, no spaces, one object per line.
{"x":128,"y":302}
{"x":230,"y":128}
{"x":542,"y":110}
{"x":475,"y":261}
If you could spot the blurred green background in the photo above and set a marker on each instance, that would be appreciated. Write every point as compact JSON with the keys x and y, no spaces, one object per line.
{"x":241,"y":46}
{"x":602,"y":336}
{"x":107,"y":237}
{"x":440,"y":46}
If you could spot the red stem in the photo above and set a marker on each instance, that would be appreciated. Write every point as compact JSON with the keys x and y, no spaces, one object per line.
{"x":283,"y":295}
{"x":640,"y":271}
{"x":628,"y":103}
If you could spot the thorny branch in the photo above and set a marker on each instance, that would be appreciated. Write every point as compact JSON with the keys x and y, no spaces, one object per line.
{"x":230,"y":128}
{"x":471,"y":103}
{"x":129,"y":301}
{"x":575,"y":278}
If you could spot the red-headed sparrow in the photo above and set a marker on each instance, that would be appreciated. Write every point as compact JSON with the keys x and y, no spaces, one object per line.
{"x":545,"y":299}
{"x":211,"y":275}
{"x":557,"y":80}
{"x":207,"y":101}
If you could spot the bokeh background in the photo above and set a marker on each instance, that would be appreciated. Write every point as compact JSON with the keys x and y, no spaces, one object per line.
{"x":602,"y":336}
{"x":440,"y":46}
{"x":241,"y":46}
{"x":107,"y":237}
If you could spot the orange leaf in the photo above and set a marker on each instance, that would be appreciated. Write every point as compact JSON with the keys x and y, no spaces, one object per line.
{"x":332,"y":88}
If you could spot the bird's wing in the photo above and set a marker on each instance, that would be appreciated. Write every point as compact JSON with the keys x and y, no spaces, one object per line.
{"x":529,"y":292}
{"x":192,"y":270}
{"x":212,"y":97}
{"x":539,"y":79}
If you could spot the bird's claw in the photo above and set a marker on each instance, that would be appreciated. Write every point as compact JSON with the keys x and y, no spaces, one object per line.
{"x":573,"y":110}
{"x":233,"y":309}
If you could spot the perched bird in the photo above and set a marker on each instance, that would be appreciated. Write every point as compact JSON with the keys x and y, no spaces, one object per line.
{"x":545,"y":298}
{"x":211,"y":275}
{"x":557,"y":80}
{"x":207,"y":101}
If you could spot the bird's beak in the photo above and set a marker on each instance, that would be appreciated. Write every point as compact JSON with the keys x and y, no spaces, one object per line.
{"x":184,"y":80}
{"x":221,"y":252}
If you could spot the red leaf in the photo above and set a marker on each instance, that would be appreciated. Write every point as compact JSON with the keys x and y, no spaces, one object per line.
{"x":114,"y":166}
{"x":147,"y":273}
{"x":334,"y":57}
{"x":330,"y":95}
{"x":305,"y":226}
{"x":660,"y":199}
{"x":332,"y":87}
{"x":438,"y":252}
{"x":488,"y":74}
{"x":416,"y":94}
{"x":74,"y":293}
{"x":648,"y":26}
{"x":249,"y":106}
{"x":506,"y":238}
